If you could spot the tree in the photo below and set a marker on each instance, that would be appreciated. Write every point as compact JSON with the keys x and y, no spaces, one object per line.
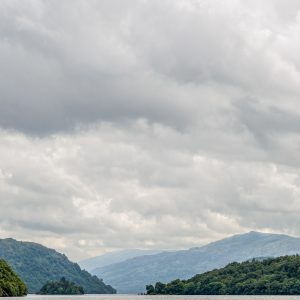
{"x":150,"y":289}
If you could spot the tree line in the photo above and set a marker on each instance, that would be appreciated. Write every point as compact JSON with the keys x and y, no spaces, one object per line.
{"x":273,"y":276}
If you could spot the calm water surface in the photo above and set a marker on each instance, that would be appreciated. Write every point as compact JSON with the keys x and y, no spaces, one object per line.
{"x":137,"y":297}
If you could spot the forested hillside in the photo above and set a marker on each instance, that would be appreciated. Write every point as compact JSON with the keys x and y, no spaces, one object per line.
{"x":132,"y":275}
{"x":277,"y":276}
{"x":37,"y":264}
{"x":10,"y":283}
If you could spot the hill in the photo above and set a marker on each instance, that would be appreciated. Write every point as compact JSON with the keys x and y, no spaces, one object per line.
{"x":10,"y":283}
{"x":106,"y":259}
{"x":132,"y":275}
{"x":279,"y":276}
{"x":37,"y":264}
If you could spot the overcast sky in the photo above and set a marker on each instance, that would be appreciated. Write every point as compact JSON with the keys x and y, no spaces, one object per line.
{"x":148,"y":123}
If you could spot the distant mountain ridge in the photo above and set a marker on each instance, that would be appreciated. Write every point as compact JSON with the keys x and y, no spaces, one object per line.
{"x":36,"y":265}
{"x":132,"y":275}
{"x":106,"y":259}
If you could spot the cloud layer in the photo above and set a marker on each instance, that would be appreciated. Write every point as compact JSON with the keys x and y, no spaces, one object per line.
{"x":152,"y":124}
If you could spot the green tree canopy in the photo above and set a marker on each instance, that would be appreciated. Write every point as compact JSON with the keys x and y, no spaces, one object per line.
{"x":276,"y":276}
{"x":10,"y":283}
{"x":61,"y":287}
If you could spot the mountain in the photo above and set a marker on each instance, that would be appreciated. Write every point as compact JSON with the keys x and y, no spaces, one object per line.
{"x":10,"y":283}
{"x":275,"y":276}
{"x":132,"y":275}
{"x":113,"y":257}
{"x":36,"y":265}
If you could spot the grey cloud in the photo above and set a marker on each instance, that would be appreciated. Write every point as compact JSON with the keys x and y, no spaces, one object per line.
{"x":56,"y":75}
{"x":141,"y":60}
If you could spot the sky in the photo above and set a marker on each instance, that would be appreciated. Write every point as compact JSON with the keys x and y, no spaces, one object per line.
{"x":155,"y":124}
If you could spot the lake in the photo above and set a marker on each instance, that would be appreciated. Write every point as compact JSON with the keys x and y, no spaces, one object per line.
{"x":163,"y":297}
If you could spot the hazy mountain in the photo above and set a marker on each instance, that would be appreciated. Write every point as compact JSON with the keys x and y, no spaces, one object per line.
{"x":113,"y":257}
{"x":132,"y":275}
{"x":36,"y":265}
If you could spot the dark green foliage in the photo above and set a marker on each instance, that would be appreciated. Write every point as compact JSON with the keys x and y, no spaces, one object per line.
{"x":10,"y":283}
{"x":274,"y":276}
{"x":37,"y":264}
{"x":61,"y":287}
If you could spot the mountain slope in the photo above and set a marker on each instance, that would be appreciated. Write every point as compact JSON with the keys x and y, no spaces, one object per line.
{"x":113,"y":257}
{"x":276,"y":276}
{"x":10,"y":283}
{"x":131,"y":276}
{"x":37,"y":264}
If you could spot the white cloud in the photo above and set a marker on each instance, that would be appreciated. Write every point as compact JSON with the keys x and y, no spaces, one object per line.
{"x":137,"y":186}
